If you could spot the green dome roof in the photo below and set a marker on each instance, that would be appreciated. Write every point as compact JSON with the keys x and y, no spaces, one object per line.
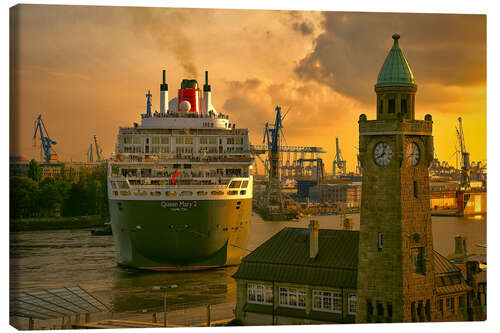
{"x":395,"y":71}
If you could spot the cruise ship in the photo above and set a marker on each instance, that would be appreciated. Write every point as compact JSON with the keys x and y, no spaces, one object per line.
{"x":179,"y":185}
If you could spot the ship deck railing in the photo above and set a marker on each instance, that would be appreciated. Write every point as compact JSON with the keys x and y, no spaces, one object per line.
{"x":143,"y":158}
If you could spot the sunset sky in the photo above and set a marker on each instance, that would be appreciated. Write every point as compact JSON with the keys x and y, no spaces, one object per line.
{"x":87,"y":69}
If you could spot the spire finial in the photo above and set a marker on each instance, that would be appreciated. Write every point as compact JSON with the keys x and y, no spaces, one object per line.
{"x":395,"y":37}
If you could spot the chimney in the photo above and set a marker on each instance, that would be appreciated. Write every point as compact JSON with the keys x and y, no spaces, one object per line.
{"x":460,"y":245}
{"x":163,"y":96}
{"x":313,"y":239}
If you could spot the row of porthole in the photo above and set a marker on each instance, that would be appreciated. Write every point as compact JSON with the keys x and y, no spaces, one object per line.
{"x":173,"y":193}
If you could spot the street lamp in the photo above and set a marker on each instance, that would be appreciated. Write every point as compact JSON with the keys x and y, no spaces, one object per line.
{"x":164,"y":289}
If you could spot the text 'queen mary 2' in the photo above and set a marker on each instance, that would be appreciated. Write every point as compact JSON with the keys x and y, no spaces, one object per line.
{"x":179,"y":184}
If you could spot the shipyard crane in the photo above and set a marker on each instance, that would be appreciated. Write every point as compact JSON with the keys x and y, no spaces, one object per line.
{"x":47,"y":142}
{"x":98,"y":150}
{"x":339,"y":163}
{"x":463,"y":156}
{"x":272,"y":135}
{"x":90,"y":157}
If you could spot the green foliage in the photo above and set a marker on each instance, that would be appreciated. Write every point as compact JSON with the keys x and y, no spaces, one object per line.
{"x":34,"y":171}
{"x":74,"y":194}
{"x":24,"y":197}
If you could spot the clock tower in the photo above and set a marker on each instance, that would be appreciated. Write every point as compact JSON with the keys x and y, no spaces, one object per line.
{"x":395,"y":266}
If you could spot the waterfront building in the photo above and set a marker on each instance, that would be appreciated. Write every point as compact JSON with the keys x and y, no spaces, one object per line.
{"x":347,"y":195}
{"x":309,"y":276}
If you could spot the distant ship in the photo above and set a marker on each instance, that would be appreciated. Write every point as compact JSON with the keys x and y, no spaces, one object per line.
{"x":179,"y":185}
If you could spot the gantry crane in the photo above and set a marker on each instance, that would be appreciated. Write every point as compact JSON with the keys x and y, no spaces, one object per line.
{"x":47,"y":142}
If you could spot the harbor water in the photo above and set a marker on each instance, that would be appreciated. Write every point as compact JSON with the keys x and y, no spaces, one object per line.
{"x":64,"y":258}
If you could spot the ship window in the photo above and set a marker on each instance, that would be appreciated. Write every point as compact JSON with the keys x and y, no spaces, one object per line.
{"x":122,"y":185}
{"x":137,"y":140}
{"x":244,"y":184}
{"x":380,"y":241}
{"x":179,"y":140}
{"x":155,"y":193}
{"x":115,"y":192}
{"x":155,"y":140}
{"x":232,"y":192}
{"x":243,"y":192}
{"x":415,"y":190}
{"x":125,"y":192}
{"x":188,"y":141}
{"x":139,"y":192}
{"x":164,"y":149}
{"x":113,"y":184}
{"x":235,"y":184}
{"x":164,"y":140}
{"x":171,"y":194}
{"x":202,"y":193}
{"x":217,"y":192}
{"x":127,"y":139}
{"x":186,"y":193}
{"x":155,"y":149}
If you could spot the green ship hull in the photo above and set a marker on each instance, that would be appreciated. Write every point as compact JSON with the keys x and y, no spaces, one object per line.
{"x":181,"y":234}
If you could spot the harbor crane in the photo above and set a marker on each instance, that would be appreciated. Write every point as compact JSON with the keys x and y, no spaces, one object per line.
{"x":47,"y":142}
{"x":98,"y":150}
{"x":90,"y":157}
{"x":463,"y":156}
{"x":339,"y":164}
{"x":272,"y":135}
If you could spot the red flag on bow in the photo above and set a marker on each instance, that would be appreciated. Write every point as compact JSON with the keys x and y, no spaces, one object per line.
{"x":176,"y":173}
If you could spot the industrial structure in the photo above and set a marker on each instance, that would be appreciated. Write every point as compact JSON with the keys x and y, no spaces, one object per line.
{"x":49,"y":155}
{"x":339,"y":164}
{"x":98,"y":152}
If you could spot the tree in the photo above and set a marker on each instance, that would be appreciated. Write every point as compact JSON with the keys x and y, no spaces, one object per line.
{"x":24,"y":197}
{"x":34,"y":171}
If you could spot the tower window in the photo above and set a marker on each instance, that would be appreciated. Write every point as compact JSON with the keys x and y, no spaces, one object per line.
{"x":403,"y":106}
{"x":415,"y":189}
{"x":369,"y":308}
{"x":420,"y":311}
{"x":380,"y":241}
{"x":428,"y":310}
{"x":392,"y":105}
{"x":380,"y":309}
{"x":389,"y":309}
{"x":417,"y":258}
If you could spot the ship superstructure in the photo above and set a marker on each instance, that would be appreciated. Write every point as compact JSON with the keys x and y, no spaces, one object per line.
{"x":180,"y":190}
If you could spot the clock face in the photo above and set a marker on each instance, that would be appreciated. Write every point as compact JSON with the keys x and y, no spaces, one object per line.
{"x":382,"y":153}
{"x":413,"y":154}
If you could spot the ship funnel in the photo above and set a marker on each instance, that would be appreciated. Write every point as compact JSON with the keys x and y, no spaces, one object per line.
{"x":206,"y":86}
{"x":164,"y":95}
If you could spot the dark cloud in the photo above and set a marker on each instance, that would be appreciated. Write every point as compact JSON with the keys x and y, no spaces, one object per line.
{"x":444,"y":49}
{"x":304,"y":28}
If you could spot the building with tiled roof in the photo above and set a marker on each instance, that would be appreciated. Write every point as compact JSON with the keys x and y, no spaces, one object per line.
{"x":288,"y":281}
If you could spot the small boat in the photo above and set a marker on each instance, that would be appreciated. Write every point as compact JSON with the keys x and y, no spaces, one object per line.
{"x":104,"y":231}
